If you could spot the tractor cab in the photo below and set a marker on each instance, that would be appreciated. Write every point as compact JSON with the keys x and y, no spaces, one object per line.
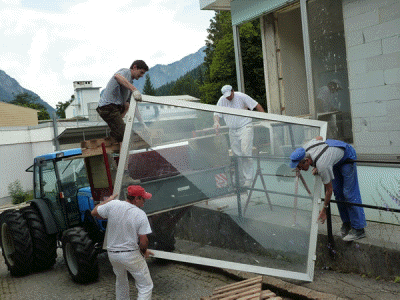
{"x":58,"y":178}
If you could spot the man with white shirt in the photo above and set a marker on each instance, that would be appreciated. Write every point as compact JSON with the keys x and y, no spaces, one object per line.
{"x":241,"y":131}
{"x":334,"y":161}
{"x":127,"y":241}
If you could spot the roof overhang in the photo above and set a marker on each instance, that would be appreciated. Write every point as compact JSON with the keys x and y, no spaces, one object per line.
{"x":215,"y":4}
{"x":78,"y":134}
{"x":243,"y":11}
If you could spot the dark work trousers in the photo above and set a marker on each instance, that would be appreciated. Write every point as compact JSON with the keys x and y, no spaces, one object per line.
{"x":112,"y":115}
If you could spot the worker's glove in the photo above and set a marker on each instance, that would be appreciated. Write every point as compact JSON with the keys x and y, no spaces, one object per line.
{"x":137,"y":95}
{"x":216,"y":125}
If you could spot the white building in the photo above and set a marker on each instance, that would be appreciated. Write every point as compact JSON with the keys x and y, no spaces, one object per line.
{"x":307,"y":44}
{"x":85,"y":96}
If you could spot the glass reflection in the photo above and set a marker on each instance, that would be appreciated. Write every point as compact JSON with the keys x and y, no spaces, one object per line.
{"x":329,"y":67}
{"x":190,"y":169}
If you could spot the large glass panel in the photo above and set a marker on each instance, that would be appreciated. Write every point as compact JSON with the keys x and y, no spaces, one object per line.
{"x":329,"y":67}
{"x":234,"y":210}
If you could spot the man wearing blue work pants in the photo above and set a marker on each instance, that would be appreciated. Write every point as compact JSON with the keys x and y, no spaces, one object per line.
{"x":334,"y":161}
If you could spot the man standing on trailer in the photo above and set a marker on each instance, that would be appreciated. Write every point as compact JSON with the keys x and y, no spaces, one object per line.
{"x":334,"y":161}
{"x":241,"y":131}
{"x":127,"y":241}
{"x":114,"y":100}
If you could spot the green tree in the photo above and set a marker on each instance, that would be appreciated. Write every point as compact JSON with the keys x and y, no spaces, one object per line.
{"x":62,"y":106}
{"x":148,"y":88}
{"x":30,"y":101}
{"x":220,"y":59}
{"x":186,"y":85}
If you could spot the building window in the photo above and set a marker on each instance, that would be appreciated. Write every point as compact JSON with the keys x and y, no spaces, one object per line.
{"x":329,"y":67}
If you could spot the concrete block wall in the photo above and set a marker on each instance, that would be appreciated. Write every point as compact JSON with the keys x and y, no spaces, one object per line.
{"x":372,"y":30}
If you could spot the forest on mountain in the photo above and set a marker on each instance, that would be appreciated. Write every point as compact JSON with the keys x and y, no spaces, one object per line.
{"x":219,"y":67}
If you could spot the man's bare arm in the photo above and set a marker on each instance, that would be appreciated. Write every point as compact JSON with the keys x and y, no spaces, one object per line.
{"x":95,"y":213}
{"x":123,"y":81}
{"x":260,"y":108}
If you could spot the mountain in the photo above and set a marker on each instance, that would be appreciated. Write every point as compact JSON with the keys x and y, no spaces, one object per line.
{"x":162,"y":74}
{"x":9,"y":87}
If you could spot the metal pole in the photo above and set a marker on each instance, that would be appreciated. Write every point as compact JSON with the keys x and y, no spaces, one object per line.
{"x":331,"y":240}
{"x":239,"y":202}
{"x":238,"y":55}
{"x":55,"y":130}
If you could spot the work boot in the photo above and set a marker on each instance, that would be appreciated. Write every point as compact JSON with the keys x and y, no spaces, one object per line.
{"x":344,"y":230}
{"x":354,"y":234}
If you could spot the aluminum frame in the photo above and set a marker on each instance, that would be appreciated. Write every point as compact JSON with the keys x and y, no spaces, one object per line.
{"x":308,"y":275}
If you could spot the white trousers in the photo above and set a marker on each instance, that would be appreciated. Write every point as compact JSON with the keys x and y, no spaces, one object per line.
{"x":134,"y":263}
{"x":241,"y":140}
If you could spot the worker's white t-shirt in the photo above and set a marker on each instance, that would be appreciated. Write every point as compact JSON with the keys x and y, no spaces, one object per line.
{"x":239,"y":101}
{"x":326,"y":161}
{"x":125,"y":223}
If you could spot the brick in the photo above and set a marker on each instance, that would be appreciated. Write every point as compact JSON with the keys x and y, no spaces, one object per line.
{"x":393,"y":109}
{"x":367,"y":138}
{"x":383,"y":62}
{"x":366,"y":80}
{"x":389,"y":13}
{"x":357,"y":66}
{"x":384,"y":123}
{"x":364,"y":51}
{"x":368,"y":149}
{"x":361,"y":124}
{"x":362,"y":21}
{"x":379,"y":93}
{"x":390,"y":45}
{"x":382,"y":31}
{"x":357,"y":7}
{"x":354,"y":38}
{"x":370,"y":109}
{"x":392,"y":76}
{"x":394,"y":137}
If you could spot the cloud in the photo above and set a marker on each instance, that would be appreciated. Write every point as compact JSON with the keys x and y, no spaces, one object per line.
{"x":45,"y":48}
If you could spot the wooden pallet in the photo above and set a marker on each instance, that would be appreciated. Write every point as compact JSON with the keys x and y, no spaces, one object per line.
{"x":94,"y":147}
{"x":248,"y":289}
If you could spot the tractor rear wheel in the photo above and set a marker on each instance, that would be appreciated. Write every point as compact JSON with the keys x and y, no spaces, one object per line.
{"x":44,"y":245}
{"x":16,"y":243}
{"x":80,"y":255}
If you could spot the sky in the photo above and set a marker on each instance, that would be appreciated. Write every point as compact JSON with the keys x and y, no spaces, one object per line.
{"x":46,"y":45}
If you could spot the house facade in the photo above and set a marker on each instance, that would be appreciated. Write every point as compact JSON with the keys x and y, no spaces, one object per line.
{"x":337,"y":61}
{"x":15,"y":115}
{"x":86,"y":96}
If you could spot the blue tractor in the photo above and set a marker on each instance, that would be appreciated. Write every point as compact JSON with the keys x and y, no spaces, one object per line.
{"x":68,"y":184}
{"x":59,"y":215}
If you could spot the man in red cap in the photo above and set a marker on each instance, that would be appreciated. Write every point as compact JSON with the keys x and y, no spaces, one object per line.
{"x":127,"y":241}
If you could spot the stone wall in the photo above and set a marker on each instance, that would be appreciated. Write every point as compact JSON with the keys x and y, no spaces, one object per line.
{"x":372,"y":30}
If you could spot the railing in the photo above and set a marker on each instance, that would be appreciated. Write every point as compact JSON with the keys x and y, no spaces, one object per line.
{"x":331,"y":241}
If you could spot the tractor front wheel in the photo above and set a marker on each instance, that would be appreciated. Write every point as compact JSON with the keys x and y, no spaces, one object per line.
{"x":16,"y":243}
{"x":80,"y":255}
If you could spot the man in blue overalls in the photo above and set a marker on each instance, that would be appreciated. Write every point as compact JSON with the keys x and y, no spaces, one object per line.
{"x":334,"y":161}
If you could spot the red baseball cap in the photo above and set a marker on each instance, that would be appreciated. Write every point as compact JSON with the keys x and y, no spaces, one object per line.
{"x":137,"y":190}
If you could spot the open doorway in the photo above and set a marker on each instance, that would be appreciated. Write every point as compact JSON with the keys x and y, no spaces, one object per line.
{"x":290,"y":61}
{"x":284,"y":47}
